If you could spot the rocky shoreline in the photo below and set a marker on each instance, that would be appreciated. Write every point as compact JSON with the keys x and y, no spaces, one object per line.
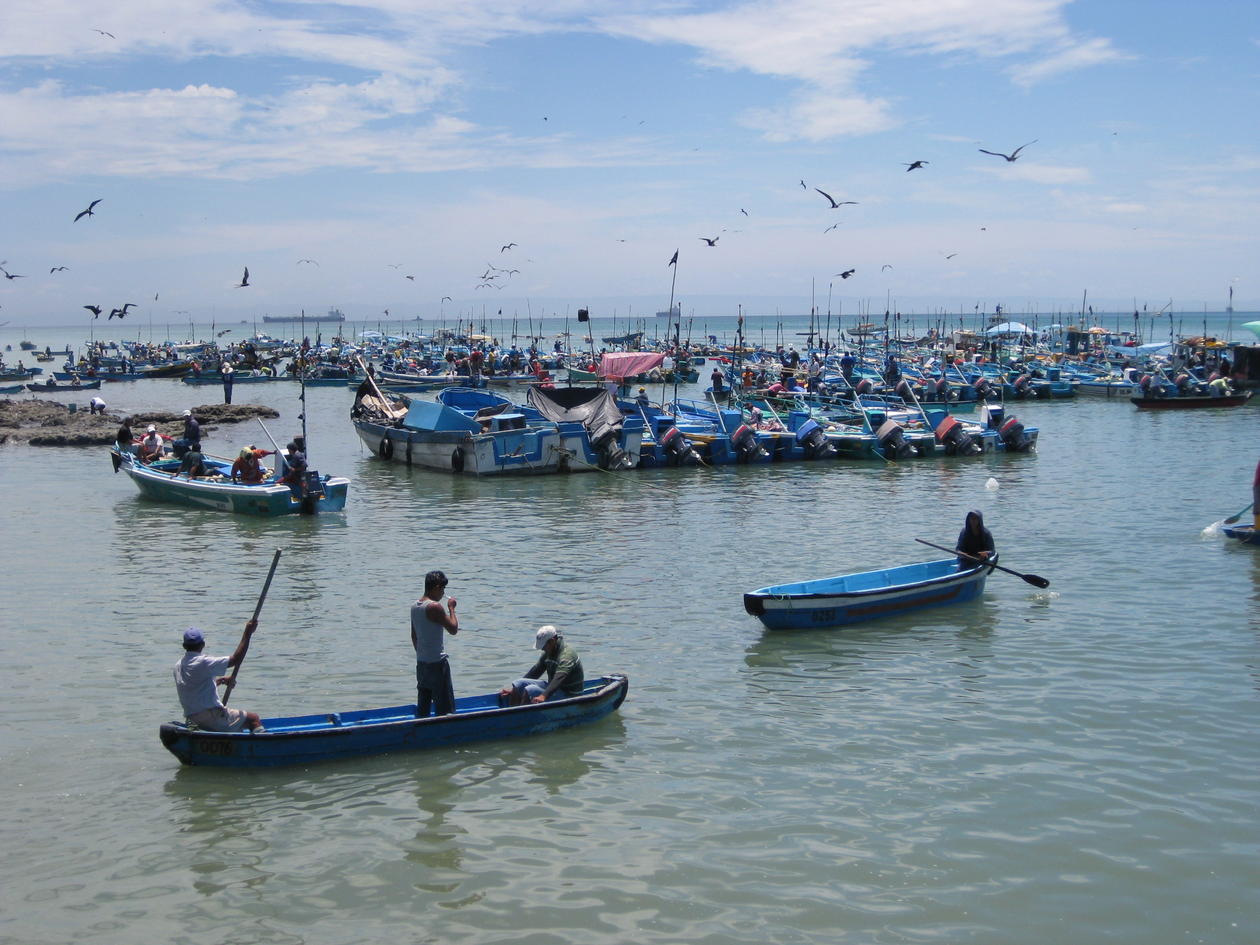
{"x":46,"y":423}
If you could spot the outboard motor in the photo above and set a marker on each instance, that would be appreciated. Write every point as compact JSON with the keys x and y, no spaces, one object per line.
{"x":1012,"y":433}
{"x":1149,"y":386}
{"x":813,"y":439}
{"x":744,"y":442}
{"x":904,"y":391}
{"x":982,"y":388}
{"x":1184,"y":383}
{"x":678,"y":448}
{"x":892,"y":439}
{"x":864,"y":386}
{"x":937,"y":390}
{"x":1023,"y":386}
{"x":611,"y":455}
{"x":956,"y":440}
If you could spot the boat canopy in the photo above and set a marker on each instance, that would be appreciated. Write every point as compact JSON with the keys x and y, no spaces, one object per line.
{"x":430,"y":415}
{"x":1253,"y":327}
{"x":1009,"y":328}
{"x":618,"y":365}
{"x":593,"y":407}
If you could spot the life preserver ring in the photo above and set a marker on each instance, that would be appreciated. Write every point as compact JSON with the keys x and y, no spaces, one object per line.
{"x":386,"y":450}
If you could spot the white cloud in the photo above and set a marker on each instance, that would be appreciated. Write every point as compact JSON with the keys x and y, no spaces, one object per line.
{"x":1072,"y":56}
{"x":1038,"y":173}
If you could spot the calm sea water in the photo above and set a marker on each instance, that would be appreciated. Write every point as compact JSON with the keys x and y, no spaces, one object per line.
{"x":1077,"y":764}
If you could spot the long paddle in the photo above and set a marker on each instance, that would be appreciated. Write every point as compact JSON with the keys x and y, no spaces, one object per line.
{"x":1233,"y":518}
{"x":1034,"y":579}
{"x":257,"y":609}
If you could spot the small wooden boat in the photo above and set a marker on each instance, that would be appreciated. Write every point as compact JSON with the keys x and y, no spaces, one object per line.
{"x":49,"y":386}
{"x":161,"y":481}
{"x":852,"y":598}
{"x":12,"y":388}
{"x":1247,"y":534}
{"x":1191,"y":401}
{"x":332,"y":735}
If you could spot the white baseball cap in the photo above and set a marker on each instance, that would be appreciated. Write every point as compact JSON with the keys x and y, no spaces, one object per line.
{"x":544,"y":636}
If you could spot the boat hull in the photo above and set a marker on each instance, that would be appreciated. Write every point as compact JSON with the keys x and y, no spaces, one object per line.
{"x":529,"y":452}
{"x":855,"y":598}
{"x":306,"y":739}
{"x":1247,"y":534}
{"x":1189,"y":403}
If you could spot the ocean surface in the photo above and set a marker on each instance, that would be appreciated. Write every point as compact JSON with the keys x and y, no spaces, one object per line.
{"x":1077,"y":764}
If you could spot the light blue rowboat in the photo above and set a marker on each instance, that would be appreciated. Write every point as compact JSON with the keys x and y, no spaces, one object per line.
{"x":160,"y":481}
{"x":867,"y":595}
{"x":328,"y":736}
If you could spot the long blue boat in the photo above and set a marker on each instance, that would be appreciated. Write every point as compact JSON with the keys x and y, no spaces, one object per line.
{"x":1247,"y":534}
{"x":332,"y":735}
{"x":853,"y":598}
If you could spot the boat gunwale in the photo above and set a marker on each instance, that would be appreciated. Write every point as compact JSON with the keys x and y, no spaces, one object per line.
{"x":764,"y":593}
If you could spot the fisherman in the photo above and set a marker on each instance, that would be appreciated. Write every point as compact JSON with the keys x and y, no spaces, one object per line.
{"x":642,"y":400}
{"x":96,"y":405}
{"x":559,"y":661}
{"x":123,"y":438}
{"x":193,"y":463}
{"x":197,"y":678}
{"x":228,"y":375}
{"x":247,"y":469}
{"x":718,"y":380}
{"x":295,"y":468}
{"x":847,"y":362}
{"x":975,"y":542}
{"x":151,"y":445}
{"x":430,"y":621}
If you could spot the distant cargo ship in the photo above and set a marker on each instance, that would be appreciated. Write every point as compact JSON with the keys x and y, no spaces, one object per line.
{"x":334,"y":315}
{"x":675,"y":312}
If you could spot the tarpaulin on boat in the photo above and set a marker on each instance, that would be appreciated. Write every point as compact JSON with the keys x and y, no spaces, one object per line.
{"x":593,"y":407}
{"x":618,"y":365}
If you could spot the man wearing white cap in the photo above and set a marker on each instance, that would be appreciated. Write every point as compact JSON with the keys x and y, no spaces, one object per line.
{"x":192,"y":431}
{"x":561,"y":664}
{"x":197,"y":678}
{"x":150,"y":445}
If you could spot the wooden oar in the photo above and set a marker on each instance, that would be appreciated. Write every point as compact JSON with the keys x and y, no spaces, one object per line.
{"x":1034,"y":579}
{"x":257,"y":609}
{"x":1233,"y":518}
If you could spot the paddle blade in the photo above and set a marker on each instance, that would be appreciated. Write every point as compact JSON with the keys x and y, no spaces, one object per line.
{"x":1036,"y":580}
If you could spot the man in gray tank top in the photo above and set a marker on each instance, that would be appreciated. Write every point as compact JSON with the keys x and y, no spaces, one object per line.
{"x":430,"y":621}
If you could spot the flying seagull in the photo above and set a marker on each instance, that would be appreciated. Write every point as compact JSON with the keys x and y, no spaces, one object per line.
{"x":11,"y":275}
{"x":445,"y":298}
{"x":711,"y":242}
{"x":1009,"y":157}
{"x":58,"y":269}
{"x":835,"y":203}
{"x":122,"y":312}
{"x":393,"y":265}
{"x":244,"y":279}
{"x":412,"y":278}
{"x":311,"y":261}
{"x":504,"y":249}
{"x":846,"y":273}
{"x":951,"y":255}
{"x":915,"y":166}
{"x":884,"y":266}
{"x":104,"y":33}
{"x":743,"y":211}
{"x":88,"y":212}
{"x":222,"y":333}
{"x":94,"y":309}
{"x":832,"y":227}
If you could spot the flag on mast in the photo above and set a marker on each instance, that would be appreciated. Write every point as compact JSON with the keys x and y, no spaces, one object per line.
{"x":673,"y":260}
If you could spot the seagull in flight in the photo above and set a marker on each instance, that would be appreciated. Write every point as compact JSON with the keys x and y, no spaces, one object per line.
{"x":311,"y":261}
{"x":10,"y":275}
{"x":743,"y":211}
{"x":846,"y":273}
{"x":88,"y":212}
{"x":445,"y":298}
{"x":915,"y":166}
{"x":412,"y":278}
{"x":951,"y":255}
{"x":835,"y":203}
{"x":121,"y":312}
{"x":94,"y":309}
{"x":504,"y":249}
{"x":832,"y":227}
{"x":244,"y":279}
{"x":711,"y":242}
{"x":104,"y":33}
{"x":1009,"y":157}
{"x":884,"y":267}
{"x":58,"y":269}
{"x":393,"y":265}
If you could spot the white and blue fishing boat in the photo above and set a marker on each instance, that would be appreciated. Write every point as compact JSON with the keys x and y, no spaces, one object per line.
{"x":161,"y":481}
{"x":434,"y":436}
{"x":327,"y":736}
{"x":854,"y":598}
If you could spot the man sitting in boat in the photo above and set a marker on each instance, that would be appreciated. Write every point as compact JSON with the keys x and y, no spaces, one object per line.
{"x":559,"y":661}
{"x":193,"y":464}
{"x":150,"y":448}
{"x":975,"y":542}
{"x":247,"y":469}
{"x":197,"y":678}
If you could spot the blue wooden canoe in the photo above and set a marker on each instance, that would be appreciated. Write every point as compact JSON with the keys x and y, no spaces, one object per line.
{"x":853,"y":598}
{"x":324,"y":737}
{"x":1247,"y":534}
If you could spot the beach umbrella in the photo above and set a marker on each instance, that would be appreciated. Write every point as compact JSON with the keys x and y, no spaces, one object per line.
{"x":1009,"y":328}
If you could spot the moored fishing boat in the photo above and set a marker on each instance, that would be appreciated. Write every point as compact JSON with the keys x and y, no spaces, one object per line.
{"x":852,"y":598}
{"x":1191,"y":401}
{"x":331,"y":735}
{"x":161,"y":481}
{"x":54,"y":387}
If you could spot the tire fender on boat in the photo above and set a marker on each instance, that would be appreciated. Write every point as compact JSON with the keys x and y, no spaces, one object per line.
{"x":386,"y":450}
{"x":457,"y":459}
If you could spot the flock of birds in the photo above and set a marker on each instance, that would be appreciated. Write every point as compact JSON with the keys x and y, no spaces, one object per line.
{"x":490,"y":278}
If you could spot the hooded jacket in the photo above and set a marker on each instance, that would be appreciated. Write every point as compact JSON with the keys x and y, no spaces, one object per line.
{"x":974,"y":539}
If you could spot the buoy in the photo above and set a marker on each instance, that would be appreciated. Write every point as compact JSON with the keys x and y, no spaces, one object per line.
{"x":991,"y":484}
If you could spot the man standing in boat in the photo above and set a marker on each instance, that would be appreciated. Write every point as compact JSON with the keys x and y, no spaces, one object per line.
{"x":430,"y":622}
{"x":197,"y":677}
{"x":975,"y":542}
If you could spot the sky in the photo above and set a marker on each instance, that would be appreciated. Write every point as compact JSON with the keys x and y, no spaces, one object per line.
{"x":450,"y":159}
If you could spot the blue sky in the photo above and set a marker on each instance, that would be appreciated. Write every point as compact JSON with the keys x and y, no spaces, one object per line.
{"x":403,"y":138}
